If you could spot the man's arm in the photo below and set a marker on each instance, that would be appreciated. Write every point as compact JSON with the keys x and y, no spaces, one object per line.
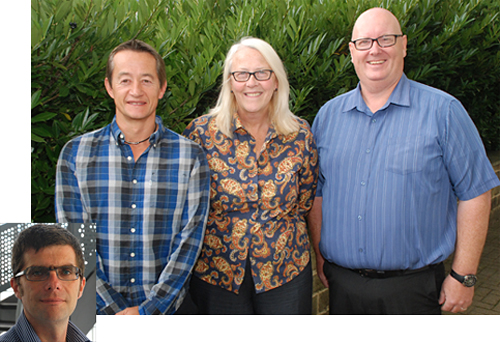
{"x":69,"y":208}
{"x":167,"y":294}
{"x":472,"y":227}
{"x":108,"y":300}
{"x":68,"y":202}
{"x":314,"y":220}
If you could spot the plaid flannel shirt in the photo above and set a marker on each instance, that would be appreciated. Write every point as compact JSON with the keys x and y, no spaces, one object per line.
{"x":150,"y":214}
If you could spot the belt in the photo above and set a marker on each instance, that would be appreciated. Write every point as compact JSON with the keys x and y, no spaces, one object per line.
{"x":377,"y":274}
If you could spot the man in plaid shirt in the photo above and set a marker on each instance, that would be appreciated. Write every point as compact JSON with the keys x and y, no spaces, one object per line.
{"x":145,"y":187}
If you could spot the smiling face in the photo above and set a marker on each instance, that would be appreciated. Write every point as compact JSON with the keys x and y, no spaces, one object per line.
{"x":135,"y":86}
{"x":252,"y":97}
{"x":51,"y":301}
{"x":379,"y":68}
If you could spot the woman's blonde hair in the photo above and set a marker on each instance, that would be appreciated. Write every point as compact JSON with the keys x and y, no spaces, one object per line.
{"x":283,"y":120}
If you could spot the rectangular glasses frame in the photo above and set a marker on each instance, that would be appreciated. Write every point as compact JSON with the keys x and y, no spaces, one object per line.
{"x":249,"y":74}
{"x":25,"y":272}
{"x":355,"y":42}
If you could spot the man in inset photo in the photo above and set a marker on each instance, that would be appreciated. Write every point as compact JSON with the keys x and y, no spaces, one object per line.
{"x":48,"y":267}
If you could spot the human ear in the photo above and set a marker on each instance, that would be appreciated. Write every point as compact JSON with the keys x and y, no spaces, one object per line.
{"x":18,"y":290}
{"x":82,"y":287}
{"x":109,"y":88}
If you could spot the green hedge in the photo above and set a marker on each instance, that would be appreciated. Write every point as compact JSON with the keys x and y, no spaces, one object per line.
{"x":452,"y":45}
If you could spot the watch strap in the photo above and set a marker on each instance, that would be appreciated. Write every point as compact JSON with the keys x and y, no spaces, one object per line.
{"x":468,"y":280}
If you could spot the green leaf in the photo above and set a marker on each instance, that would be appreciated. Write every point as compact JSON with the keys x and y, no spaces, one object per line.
{"x":43,"y":117}
{"x":63,"y":91}
{"x":41,"y":131}
{"x":35,"y":98}
{"x":36,"y":138}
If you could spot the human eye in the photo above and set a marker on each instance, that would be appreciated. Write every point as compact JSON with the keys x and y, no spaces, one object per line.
{"x":147,"y":79}
{"x":262,"y":74}
{"x":37,"y":272}
{"x":67,"y":272}
{"x":241,"y":75}
{"x":362,"y":43}
{"x":385,"y":40}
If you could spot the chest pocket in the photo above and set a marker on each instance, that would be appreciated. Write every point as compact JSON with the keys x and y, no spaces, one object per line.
{"x":405,"y":155}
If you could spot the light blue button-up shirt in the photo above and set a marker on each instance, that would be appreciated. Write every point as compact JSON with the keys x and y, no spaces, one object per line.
{"x":390,"y":180}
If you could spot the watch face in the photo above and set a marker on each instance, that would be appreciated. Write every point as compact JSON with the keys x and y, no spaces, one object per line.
{"x":469,"y":280}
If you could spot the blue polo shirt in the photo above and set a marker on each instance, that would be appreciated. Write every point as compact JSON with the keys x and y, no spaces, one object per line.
{"x":390,"y":180}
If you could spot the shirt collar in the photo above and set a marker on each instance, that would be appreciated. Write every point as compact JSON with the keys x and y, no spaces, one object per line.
{"x":119,"y":137}
{"x":74,"y":334}
{"x":237,"y":126}
{"x":237,"y":123}
{"x":400,"y":96}
{"x":25,"y":330}
{"x":27,"y":334}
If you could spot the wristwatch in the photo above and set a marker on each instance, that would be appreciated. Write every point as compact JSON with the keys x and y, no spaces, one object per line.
{"x":468,"y":280}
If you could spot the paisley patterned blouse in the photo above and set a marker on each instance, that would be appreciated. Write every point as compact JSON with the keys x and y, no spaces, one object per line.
{"x":257,"y":207}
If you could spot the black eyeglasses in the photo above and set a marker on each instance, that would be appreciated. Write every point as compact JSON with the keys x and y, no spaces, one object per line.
{"x":384,"y":41}
{"x":41,"y":273}
{"x":260,"y":75}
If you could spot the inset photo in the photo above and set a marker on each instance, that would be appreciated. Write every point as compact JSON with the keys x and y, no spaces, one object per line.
{"x":47,"y":282}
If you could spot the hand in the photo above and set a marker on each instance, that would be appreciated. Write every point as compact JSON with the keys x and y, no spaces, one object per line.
{"x":319,"y":269}
{"x":130,"y":311}
{"x":454,"y":296}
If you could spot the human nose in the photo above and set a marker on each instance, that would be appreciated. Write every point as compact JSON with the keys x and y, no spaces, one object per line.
{"x":375,"y":47}
{"x":252,"y":80}
{"x":136,"y":89}
{"x":53,"y":281}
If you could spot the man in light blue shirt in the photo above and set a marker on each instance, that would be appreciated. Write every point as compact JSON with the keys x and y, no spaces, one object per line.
{"x":394,"y":157}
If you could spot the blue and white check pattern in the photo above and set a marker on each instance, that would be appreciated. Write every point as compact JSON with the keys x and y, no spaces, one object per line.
{"x":22,"y":331}
{"x":150,"y":214}
{"x":390,"y":180}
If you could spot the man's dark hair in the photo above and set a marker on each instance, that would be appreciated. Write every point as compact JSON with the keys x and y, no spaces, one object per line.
{"x":40,"y":236}
{"x":137,"y":46}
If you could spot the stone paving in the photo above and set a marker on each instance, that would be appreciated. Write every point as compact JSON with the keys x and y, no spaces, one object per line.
{"x":487,"y":290}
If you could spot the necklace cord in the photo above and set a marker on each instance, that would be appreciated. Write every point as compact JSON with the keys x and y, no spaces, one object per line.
{"x":137,"y":143}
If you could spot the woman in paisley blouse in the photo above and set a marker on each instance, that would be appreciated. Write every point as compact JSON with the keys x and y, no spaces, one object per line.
{"x":263,"y":160}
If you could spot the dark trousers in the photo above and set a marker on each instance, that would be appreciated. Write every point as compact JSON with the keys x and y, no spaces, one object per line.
{"x":292,"y":298}
{"x":411,"y":294}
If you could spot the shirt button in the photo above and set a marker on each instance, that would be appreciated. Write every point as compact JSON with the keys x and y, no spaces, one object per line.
{"x":359,"y":218}
{"x":132,"y":280}
{"x":134,"y":206}
{"x":361,"y":250}
{"x":134,"y":181}
{"x":368,"y":150}
{"x":121,"y":136}
{"x":363,"y":183}
{"x":132,"y":230}
{"x":374,"y":120}
{"x":129,"y":158}
{"x":132,"y":255}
